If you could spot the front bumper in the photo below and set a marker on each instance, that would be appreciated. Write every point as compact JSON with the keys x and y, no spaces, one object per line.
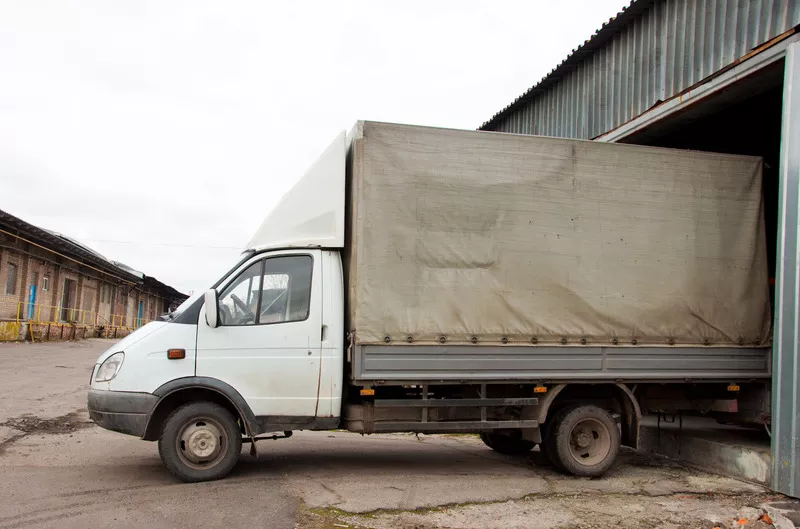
{"x":121,"y":411}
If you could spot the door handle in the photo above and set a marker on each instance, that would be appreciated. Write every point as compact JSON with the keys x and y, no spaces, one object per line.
{"x":324,"y":334}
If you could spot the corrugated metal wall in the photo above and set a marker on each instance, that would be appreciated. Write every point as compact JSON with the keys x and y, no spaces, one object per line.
{"x":668,"y":48}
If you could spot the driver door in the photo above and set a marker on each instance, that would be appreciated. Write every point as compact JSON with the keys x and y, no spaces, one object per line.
{"x":268,"y":344}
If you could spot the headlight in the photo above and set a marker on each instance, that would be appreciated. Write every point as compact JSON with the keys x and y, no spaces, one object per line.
{"x":109,"y":369}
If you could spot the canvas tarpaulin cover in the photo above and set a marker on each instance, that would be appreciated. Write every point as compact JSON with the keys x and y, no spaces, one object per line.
{"x":460,"y":236}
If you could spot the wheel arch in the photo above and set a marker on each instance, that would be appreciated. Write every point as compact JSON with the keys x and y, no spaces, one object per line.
{"x":194,"y":389}
{"x":616,"y":396}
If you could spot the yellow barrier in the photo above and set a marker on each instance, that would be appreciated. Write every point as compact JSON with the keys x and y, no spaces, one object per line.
{"x":9,"y":331}
{"x":25,"y":312}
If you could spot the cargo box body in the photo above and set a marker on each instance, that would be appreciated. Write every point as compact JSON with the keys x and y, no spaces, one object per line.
{"x":473,"y":255}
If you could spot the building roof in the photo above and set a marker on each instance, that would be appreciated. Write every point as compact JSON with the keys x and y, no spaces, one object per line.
{"x":80,"y":254}
{"x":165,"y":290}
{"x":605,"y":33}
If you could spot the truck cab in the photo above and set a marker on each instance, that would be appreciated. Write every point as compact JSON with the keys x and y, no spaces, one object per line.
{"x":261,"y":351}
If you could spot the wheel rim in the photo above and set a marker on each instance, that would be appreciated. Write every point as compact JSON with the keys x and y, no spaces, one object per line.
{"x":202,"y":443}
{"x":589,"y":442}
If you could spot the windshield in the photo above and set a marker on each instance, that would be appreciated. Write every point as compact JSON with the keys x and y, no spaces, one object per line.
{"x":188,"y":311}
{"x":186,"y":304}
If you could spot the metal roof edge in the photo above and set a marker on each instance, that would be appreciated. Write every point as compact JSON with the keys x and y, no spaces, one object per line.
{"x":604,"y":34}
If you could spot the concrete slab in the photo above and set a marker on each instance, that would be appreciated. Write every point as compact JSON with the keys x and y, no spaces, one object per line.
{"x":46,"y":380}
{"x":729,"y":450}
{"x":8,"y":435}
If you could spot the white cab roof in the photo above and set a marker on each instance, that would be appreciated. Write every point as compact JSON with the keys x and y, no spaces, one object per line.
{"x":310,"y":214}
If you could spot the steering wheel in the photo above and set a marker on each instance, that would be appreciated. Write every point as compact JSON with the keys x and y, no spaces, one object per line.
{"x":226,"y":318}
{"x":241,"y":306}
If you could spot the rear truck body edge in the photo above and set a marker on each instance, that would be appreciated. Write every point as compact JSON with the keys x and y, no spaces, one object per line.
{"x":314,"y":328}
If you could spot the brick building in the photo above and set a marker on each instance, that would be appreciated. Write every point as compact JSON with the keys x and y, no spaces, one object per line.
{"x":49,"y":279}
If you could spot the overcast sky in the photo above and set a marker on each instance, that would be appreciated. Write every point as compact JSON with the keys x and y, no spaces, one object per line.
{"x":161,"y":133}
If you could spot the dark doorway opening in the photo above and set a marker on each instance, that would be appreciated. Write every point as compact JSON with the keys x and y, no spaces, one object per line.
{"x":68,"y":299}
{"x":744,"y":118}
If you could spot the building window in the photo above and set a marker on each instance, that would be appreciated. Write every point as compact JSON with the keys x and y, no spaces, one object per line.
{"x":46,"y":283}
{"x":11,"y":280}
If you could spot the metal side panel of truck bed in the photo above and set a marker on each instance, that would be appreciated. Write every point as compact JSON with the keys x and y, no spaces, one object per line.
{"x":514,"y":363}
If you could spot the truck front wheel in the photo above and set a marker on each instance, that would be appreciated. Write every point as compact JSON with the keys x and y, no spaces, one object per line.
{"x":200,"y":441}
{"x":509,"y":444}
{"x":586,"y":440}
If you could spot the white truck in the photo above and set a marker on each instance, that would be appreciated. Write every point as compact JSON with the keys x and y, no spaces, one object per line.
{"x":532,"y":290}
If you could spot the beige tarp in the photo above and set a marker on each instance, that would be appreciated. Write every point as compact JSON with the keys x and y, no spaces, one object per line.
{"x":462,"y":234}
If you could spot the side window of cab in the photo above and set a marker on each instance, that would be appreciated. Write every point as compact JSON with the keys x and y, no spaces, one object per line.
{"x":269,"y":291}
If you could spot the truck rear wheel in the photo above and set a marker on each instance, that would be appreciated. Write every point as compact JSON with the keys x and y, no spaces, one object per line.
{"x":586,"y":440}
{"x":509,"y":444}
{"x":548,"y":446}
{"x":200,"y":441}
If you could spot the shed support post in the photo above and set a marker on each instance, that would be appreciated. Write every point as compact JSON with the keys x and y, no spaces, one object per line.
{"x":786,"y":340}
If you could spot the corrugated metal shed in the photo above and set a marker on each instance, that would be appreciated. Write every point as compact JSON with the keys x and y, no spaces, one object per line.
{"x":652,"y":51}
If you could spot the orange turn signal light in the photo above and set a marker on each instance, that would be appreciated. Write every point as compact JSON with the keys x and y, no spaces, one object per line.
{"x":176,"y":354}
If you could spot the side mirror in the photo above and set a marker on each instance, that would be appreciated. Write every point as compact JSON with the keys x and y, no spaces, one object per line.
{"x":212,"y":308}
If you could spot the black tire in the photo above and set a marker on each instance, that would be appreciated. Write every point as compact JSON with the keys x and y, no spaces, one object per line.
{"x":548,"y":436}
{"x":586,"y":440}
{"x":510,"y":445}
{"x":211,"y":430}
